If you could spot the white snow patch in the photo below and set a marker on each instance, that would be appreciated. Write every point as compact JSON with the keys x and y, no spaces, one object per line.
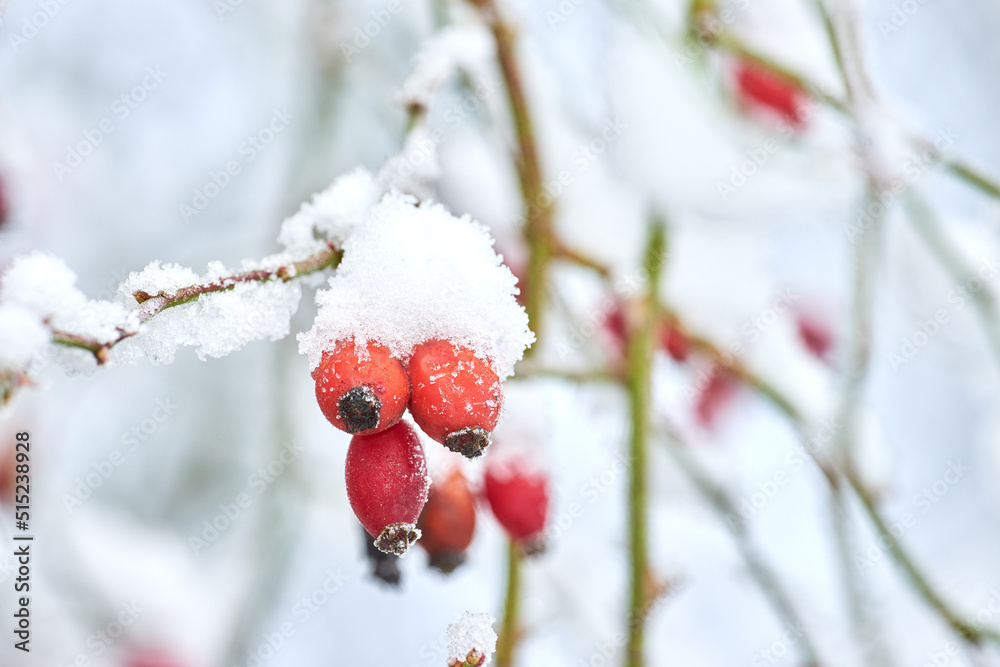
{"x":216,"y":324}
{"x":415,"y":273}
{"x":42,"y":284}
{"x":472,"y":632}
{"x":22,"y":336}
{"x":452,"y":48}
{"x":331,"y":215}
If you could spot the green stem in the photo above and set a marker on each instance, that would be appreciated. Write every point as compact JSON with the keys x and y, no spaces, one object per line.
{"x":974,"y":634}
{"x":507,"y":638}
{"x":955,"y":263}
{"x":640,"y":361}
{"x":766,"y":577}
{"x":538,"y":206}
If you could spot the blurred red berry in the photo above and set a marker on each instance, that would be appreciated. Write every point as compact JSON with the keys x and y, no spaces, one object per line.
{"x":361,"y":395}
{"x":455,"y":396}
{"x":714,"y":397}
{"x":151,"y":658}
{"x":4,"y":203}
{"x":448,"y":521}
{"x":518,"y":494}
{"x":675,"y":342}
{"x":387,"y":485}
{"x":7,"y":474}
{"x":815,"y":335}
{"x":614,"y":325}
{"x":762,"y":88}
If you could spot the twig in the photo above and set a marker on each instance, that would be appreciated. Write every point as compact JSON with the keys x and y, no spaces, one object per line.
{"x":972,"y":633}
{"x":958,"y":166}
{"x":834,"y":476}
{"x":561,"y":251}
{"x":952,"y":260}
{"x":509,"y":628}
{"x":528,"y":372}
{"x":765,"y":576}
{"x":640,"y":360}
{"x":153,"y":304}
{"x":538,"y":207}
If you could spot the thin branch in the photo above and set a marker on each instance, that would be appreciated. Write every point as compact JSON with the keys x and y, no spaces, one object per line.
{"x":958,"y":166}
{"x":761,"y":571}
{"x":970,"y":632}
{"x":562,"y":251}
{"x":834,"y":476}
{"x":153,"y":304}
{"x":529,"y":372}
{"x":954,"y":263}
{"x":641,"y":347}
{"x":538,"y":206}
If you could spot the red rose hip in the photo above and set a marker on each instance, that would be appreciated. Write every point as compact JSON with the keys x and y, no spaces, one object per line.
{"x":387,"y":485}
{"x":455,"y":397}
{"x":766,"y":89}
{"x":361,"y":395}
{"x":518,"y":494}
{"x":448,"y":521}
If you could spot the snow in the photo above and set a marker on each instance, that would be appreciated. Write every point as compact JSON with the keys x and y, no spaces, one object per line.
{"x":216,"y":324}
{"x":22,"y":336}
{"x":414,"y":273}
{"x":472,"y":632}
{"x":331,"y":215}
{"x":452,"y":48}
{"x":43,"y":284}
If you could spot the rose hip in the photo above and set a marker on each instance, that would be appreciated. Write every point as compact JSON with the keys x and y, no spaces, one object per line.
{"x":387,"y":485}
{"x":455,"y":397}
{"x":361,"y":393}
{"x":448,"y":521}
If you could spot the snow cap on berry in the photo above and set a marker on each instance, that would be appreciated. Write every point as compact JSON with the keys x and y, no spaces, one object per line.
{"x":416,"y":272}
{"x":471,"y":640}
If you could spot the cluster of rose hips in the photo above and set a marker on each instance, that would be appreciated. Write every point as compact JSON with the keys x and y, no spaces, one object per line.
{"x":455,"y":397}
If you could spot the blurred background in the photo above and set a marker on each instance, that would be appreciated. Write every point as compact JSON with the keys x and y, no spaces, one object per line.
{"x":764,"y":183}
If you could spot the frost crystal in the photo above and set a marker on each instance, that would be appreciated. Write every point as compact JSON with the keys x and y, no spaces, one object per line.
{"x":41,"y":284}
{"x":472,"y":632}
{"x":454,"y":47}
{"x":22,"y":336}
{"x":413,"y":273}
{"x":332,"y":214}
{"x":216,"y":324}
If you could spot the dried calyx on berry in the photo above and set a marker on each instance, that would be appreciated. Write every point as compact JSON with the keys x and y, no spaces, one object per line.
{"x":475,"y":658}
{"x":455,"y":397}
{"x":387,"y":485}
{"x":361,"y":390}
{"x":385,"y":567}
